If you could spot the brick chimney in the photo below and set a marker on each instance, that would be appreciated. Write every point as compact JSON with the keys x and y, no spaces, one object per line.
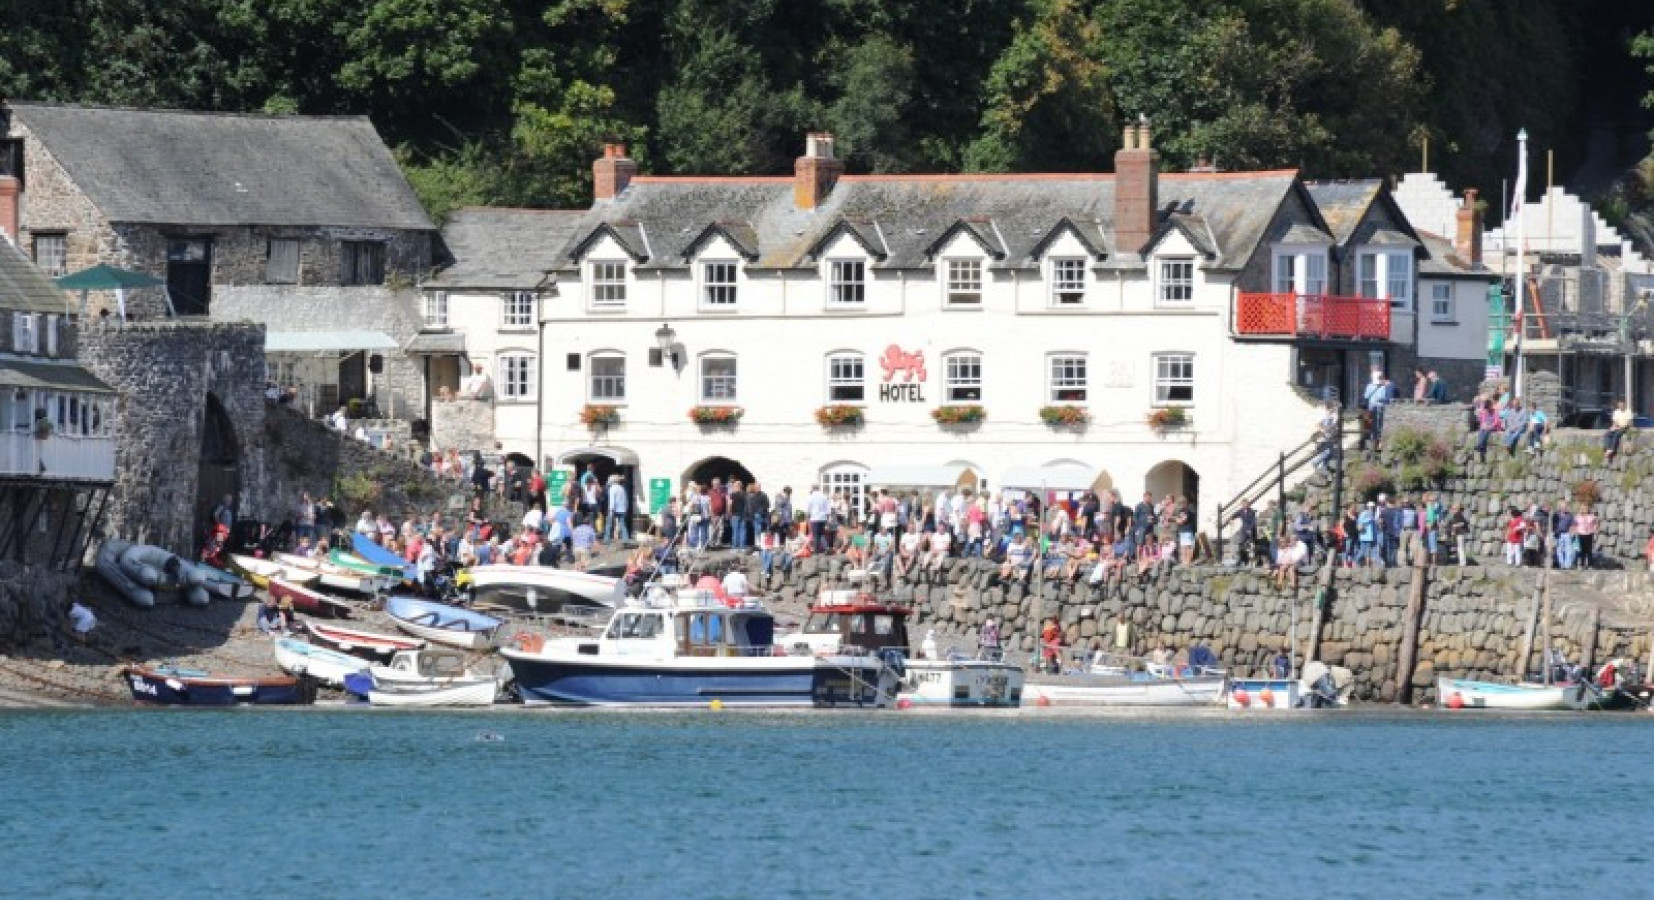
{"x":612,"y":172}
{"x":1467,"y":241}
{"x":9,"y":201}
{"x":815,"y":173}
{"x":1136,"y":189}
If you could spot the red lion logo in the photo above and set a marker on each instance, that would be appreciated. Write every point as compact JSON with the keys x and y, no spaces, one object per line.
{"x":911,"y":365}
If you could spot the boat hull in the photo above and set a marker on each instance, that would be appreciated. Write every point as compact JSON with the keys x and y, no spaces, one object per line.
{"x":762,"y":681}
{"x":540,"y":590}
{"x":1109,"y":691}
{"x":965,"y":683}
{"x":460,"y":694}
{"x":156,"y":688}
{"x":360,"y":644}
{"x":327,"y":666}
{"x":310,"y":601}
{"x":1457,"y":693}
{"x":442,"y":624}
{"x":1264,"y":693}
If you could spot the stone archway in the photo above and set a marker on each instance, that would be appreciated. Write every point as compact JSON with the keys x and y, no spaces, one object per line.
{"x":1174,"y":477}
{"x":720,"y":467}
{"x":219,"y":464}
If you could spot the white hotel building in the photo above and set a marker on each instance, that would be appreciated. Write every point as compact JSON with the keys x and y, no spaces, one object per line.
{"x":1238,"y":298}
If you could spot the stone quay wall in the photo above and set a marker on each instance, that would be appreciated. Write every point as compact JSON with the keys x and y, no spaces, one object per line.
{"x":1474,"y":619}
{"x":308,"y":456}
{"x":464,"y":425}
{"x":163,"y":371}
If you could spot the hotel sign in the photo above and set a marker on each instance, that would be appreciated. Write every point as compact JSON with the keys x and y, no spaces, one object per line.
{"x":911,"y":367}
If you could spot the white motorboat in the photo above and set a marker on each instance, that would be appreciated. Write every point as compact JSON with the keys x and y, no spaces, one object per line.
{"x":474,"y":693}
{"x":851,"y":619}
{"x":687,"y":648}
{"x":1127,"y":689}
{"x":1463,"y":693}
{"x":543,"y":590}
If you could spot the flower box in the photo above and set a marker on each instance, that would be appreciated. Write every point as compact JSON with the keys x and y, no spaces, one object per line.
{"x":594,"y":416}
{"x":43,"y":428}
{"x":1065,"y":416}
{"x":840,"y":415}
{"x":715,"y":415}
{"x":968,"y":414}
{"x":1167,"y":417}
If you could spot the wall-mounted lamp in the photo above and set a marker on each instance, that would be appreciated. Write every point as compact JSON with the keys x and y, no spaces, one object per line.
{"x":670,"y":350}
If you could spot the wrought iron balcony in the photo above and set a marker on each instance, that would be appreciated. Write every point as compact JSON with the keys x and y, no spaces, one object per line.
{"x":1317,"y":316}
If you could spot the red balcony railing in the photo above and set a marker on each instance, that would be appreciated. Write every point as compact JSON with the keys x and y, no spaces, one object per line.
{"x":1312,"y":316}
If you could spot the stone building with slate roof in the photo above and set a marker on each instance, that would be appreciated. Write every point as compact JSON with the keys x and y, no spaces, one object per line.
{"x":720,"y":316}
{"x":302,"y":223}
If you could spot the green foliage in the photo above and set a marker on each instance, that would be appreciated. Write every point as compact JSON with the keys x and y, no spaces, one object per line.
{"x":1368,"y":481}
{"x":1408,"y":445}
{"x":357,"y":490}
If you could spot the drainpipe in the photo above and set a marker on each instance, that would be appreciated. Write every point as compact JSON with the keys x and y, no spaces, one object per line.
{"x":540,"y":376}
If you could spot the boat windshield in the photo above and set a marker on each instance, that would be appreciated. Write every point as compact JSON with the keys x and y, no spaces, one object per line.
{"x":635,"y":626}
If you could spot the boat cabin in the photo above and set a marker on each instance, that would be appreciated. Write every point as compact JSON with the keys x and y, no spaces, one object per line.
{"x":695,"y":624}
{"x":430,"y":663}
{"x":853,"y":619}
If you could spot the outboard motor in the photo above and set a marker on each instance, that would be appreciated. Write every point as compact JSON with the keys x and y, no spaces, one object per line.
{"x":895,"y":660}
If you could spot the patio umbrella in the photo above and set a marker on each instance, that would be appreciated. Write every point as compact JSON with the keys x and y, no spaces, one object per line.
{"x":109,"y":278}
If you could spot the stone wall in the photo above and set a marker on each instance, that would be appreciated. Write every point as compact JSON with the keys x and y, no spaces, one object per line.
{"x":1473,"y":623}
{"x":464,"y":425}
{"x":32,"y":604}
{"x":1462,"y":376}
{"x":163,"y":372}
{"x":307,"y":456}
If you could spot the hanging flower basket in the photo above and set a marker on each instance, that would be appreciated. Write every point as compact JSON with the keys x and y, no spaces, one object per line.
{"x":594,"y":416}
{"x":1167,"y":418}
{"x":968,"y":414}
{"x":716,"y":415}
{"x":1065,"y":416}
{"x":839,"y":415}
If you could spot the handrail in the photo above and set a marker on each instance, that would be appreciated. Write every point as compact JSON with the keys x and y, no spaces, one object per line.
{"x":1274,"y":477}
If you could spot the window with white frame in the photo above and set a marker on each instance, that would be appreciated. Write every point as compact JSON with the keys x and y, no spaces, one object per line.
{"x":849,"y":478}
{"x":608,"y":378}
{"x":608,"y":280}
{"x":846,"y":378}
{"x":1301,"y":270}
{"x":1286,"y":273}
{"x":964,"y":279}
{"x":1387,"y":274}
{"x":516,"y":376}
{"x":52,"y":323}
{"x":846,"y":281}
{"x":718,"y":284}
{"x":1174,"y":379}
{"x":1315,"y":274}
{"x":517,"y":310}
{"x":1441,"y":302}
{"x":963,"y":381}
{"x":1177,"y":281}
{"x":718,"y":379}
{"x":281,"y":263}
{"x":1068,"y":378}
{"x":436,"y":309}
{"x":1067,"y":280}
{"x":51,"y":253}
{"x":23,"y":333}
{"x":282,"y":371}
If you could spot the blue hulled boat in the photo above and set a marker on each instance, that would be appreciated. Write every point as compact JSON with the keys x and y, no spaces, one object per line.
{"x":687,"y":648}
{"x":167,"y":686}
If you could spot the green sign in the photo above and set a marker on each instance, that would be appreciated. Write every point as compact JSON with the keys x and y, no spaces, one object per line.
{"x":660,"y":493}
{"x":557,"y":485}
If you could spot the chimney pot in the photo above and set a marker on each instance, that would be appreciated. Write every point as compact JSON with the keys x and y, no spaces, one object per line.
{"x":1136,"y":190}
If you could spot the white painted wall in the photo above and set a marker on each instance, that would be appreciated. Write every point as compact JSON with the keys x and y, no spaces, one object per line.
{"x":1465,"y":336}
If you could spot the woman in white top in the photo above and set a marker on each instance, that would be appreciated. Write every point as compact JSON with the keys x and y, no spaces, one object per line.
{"x":535,"y":518}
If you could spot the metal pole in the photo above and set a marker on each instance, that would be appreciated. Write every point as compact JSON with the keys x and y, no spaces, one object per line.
{"x":1521,"y":260}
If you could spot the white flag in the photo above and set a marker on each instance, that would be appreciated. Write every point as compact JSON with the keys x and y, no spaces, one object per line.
{"x":1521,"y":180}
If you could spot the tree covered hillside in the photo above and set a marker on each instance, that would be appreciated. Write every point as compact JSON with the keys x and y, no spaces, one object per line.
{"x":507,"y":101}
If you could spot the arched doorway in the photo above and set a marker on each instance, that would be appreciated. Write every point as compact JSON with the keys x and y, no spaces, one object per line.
{"x":606,"y":462}
{"x":720,"y":467}
{"x":219,"y":471}
{"x":1174,"y":477}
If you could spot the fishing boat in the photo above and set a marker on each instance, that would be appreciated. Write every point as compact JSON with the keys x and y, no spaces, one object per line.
{"x":851,"y":619}
{"x":169,"y":686}
{"x":443,"y":624}
{"x":330,"y":667}
{"x":260,"y":571}
{"x":1463,"y":693}
{"x":365,"y":645}
{"x":1319,"y":686}
{"x":684,"y":648}
{"x":1112,"y":681}
{"x":543,"y":590}
{"x":344,"y":559}
{"x":310,"y":600}
{"x":339,"y":578}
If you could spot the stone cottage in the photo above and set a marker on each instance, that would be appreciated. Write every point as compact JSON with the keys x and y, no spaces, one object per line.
{"x":303,"y":224}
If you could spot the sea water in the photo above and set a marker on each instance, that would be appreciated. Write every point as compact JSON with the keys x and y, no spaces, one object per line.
{"x":719,"y":804}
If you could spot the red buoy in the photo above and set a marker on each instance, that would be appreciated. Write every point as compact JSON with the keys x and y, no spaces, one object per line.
{"x":1456,"y":701}
{"x":1267,"y":698}
{"x":1242,"y":698}
{"x":904,"y":703}
{"x":1043,"y":701}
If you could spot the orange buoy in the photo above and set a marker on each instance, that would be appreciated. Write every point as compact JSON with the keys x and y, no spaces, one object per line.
{"x":1242,"y":698}
{"x":1456,"y":701}
{"x":1267,"y":698}
{"x":904,"y":703}
{"x":1043,"y":701}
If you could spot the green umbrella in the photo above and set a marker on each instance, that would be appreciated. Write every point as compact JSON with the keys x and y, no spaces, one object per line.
{"x":109,"y":278}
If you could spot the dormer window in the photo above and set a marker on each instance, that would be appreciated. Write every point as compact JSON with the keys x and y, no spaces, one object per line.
{"x":846,"y":281}
{"x":1301,"y":270}
{"x":1387,"y":274}
{"x":718,"y":284}
{"x":964,"y":282}
{"x":24,"y":338}
{"x":608,"y":281}
{"x":1175,"y":281}
{"x":1067,"y":281}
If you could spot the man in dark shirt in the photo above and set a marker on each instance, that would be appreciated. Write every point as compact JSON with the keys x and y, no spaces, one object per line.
{"x":737,"y":510}
{"x":1143,"y":519}
{"x":1247,"y":539}
{"x":718,"y":502}
{"x":758,"y":509}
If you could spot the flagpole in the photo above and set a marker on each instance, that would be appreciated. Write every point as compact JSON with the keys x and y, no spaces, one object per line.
{"x":1517,"y":202}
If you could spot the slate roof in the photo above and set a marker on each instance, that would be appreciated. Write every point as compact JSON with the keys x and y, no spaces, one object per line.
{"x":1345,"y":204}
{"x":189,"y":168}
{"x":503,"y":249}
{"x":1444,"y":262}
{"x":24,"y":288}
{"x":902,"y":217}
